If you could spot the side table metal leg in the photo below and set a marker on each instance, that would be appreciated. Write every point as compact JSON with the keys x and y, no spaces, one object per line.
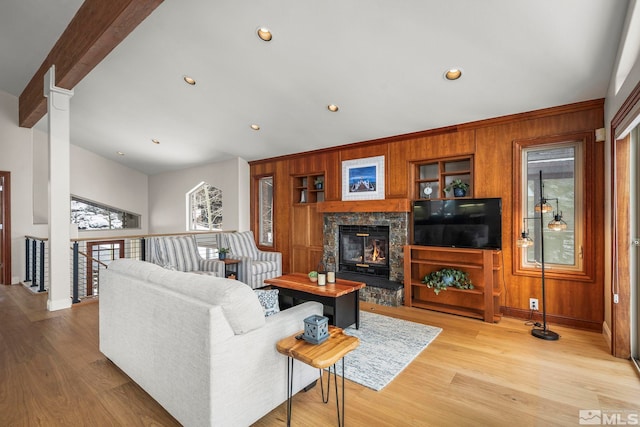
{"x":325,"y":399}
{"x":342,"y":425}
{"x":338,"y":409}
{"x":289,"y":388}
{"x":357,"y":308}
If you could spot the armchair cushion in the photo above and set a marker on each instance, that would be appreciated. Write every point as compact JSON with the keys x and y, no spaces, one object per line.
{"x":243,"y":244}
{"x":180,"y":253}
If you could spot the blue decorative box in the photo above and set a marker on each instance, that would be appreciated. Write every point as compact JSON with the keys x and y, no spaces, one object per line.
{"x":316,"y":329}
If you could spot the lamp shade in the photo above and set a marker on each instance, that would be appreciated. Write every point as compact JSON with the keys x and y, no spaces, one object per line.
{"x":524,"y":241}
{"x":557,"y":223}
{"x":543,"y":207}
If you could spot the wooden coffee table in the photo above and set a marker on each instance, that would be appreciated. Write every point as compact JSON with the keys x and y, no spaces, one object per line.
{"x":341,"y":297}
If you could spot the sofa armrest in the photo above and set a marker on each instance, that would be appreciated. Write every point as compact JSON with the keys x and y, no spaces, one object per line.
{"x":272,"y":256}
{"x":269,"y":256}
{"x":212,"y":265}
{"x":248,"y":368}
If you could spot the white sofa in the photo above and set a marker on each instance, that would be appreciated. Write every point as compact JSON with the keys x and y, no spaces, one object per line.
{"x":199,"y":345}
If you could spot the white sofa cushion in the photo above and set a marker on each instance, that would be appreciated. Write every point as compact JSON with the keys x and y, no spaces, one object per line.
{"x":239,"y":303}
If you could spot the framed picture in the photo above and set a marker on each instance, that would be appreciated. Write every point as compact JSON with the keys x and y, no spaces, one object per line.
{"x":363,"y":179}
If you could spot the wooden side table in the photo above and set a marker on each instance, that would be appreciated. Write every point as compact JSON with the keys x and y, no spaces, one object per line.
{"x":227,"y":263}
{"x":321,"y":356}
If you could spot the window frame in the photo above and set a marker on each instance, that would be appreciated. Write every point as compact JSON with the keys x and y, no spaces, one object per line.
{"x":190,"y":209}
{"x":109,"y":209}
{"x":258,"y":198}
{"x":583,"y":270}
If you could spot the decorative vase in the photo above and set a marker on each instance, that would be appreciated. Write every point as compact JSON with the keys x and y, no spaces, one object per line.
{"x":319,"y":186}
{"x":222,"y":255}
{"x":459,"y":192}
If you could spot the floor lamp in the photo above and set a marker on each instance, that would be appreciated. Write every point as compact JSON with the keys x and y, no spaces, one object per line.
{"x":556,"y":224}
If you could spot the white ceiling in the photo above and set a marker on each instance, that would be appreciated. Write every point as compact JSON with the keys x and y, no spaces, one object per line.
{"x":381,"y":62}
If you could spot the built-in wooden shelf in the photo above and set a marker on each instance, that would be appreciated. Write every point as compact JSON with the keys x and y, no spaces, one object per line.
{"x":483,"y":266}
{"x":386,"y":205}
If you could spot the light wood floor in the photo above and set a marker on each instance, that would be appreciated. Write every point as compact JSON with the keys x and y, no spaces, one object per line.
{"x":473,"y":374}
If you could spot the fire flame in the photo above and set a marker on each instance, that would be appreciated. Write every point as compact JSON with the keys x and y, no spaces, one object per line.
{"x":375,"y":256}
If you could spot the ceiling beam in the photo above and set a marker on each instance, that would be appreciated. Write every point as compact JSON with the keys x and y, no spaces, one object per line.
{"x":96,"y":29}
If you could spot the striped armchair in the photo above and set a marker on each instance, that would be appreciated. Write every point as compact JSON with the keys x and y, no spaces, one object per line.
{"x":181,"y":253}
{"x":255,"y":265}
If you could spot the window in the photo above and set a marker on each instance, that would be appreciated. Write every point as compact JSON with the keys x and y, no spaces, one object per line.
{"x":265,"y":210}
{"x":562,"y":164}
{"x":205,"y":207}
{"x":95,"y":216}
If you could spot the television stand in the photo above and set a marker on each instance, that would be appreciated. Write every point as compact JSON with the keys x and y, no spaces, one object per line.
{"x":483,"y":267}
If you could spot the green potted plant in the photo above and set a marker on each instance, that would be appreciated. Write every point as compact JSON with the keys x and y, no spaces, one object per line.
{"x":458,"y":186}
{"x":442,"y":279}
{"x":313,"y":276}
{"x":318,"y":182}
{"x":222,"y":253}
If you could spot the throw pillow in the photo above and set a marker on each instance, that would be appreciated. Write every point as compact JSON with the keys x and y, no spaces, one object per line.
{"x":268,"y":300}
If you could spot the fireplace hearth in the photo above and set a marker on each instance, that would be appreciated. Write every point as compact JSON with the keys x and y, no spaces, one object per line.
{"x":364,"y":250}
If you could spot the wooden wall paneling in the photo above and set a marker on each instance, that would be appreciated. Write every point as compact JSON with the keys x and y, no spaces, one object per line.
{"x":575,"y":295}
{"x":299,"y":259}
{"x":574,"y":303}
{"x":283,"y":212}
{"x":570,"y":302}
{"x":404,"y":154}
{"x":398,"y":169}
{"x":360,"y":152}
{"x":300,"y":225}
{"x":281,"y":203}
{"x":333,"y":176}
{"x":316,"y":223}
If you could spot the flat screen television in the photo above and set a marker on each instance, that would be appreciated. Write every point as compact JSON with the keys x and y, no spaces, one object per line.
{"x":458,"y":223}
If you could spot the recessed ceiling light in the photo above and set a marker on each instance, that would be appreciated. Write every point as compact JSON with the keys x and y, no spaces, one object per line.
{"x":255,"y":127}
{"x":453,"y":74}
{"x":264,"y":34}
{"x":155,"y":141}
{"x":119,"y":153}
{"x":189,"y":80}
{"x":333,"y":108}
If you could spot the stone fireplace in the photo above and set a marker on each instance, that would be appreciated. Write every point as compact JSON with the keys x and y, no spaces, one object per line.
{"x":363,"y":249}
{"x":385,"y":288}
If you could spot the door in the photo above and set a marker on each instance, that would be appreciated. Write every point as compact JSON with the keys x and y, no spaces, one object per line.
{"x":5,"y":228}
{"x":635,"y":246}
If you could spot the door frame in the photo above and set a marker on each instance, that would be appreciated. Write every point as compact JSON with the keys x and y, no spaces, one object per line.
{"x":5,"y":233}
{"x":621,"y":226}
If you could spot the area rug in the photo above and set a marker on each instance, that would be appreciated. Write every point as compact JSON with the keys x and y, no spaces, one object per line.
{"x":387,"y":346}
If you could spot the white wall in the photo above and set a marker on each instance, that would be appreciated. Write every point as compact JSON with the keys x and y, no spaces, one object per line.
{"x":168,"y":203}
{"x":16,"y":148}
{"x":101,"y":180}
{"x":23,"y":152}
